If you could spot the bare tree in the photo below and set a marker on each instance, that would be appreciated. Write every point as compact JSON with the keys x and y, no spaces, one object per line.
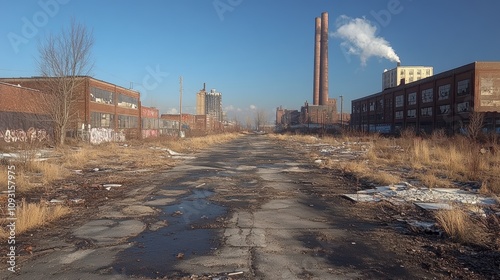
{"x":475,"y":125}
{"x":260,"y":119}
{"x":64,"y":60}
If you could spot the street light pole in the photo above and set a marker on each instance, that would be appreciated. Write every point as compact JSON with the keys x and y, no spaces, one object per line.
{"x":341,"y":112}
{"x":180,"y":107}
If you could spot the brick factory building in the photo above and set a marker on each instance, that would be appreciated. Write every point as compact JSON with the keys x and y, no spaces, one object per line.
{"x":150,"y":122}
{"x":443,"y":101}
{"x":103,"y":111}
{"x":21,"y":120}
{"x":196,"y":124}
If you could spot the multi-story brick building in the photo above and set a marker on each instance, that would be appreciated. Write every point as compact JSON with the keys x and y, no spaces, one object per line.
{"x":443,"y":101}
{"x":103,"y":111}
{"x":150,"y":122}
{"x":21,"y":120}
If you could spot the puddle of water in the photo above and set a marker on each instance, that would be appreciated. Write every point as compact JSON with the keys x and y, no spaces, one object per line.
{"x":156,"y":253}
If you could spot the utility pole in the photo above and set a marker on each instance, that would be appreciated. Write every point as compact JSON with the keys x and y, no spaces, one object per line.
{"x":341,"y":112}
{"x":180,"y":107}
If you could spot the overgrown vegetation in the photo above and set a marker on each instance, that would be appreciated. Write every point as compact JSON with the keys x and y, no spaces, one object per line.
{"x":432,"y":161}
{"x":458,"y":225}
{"x":33,"y":215}
{"x":435,"y":161}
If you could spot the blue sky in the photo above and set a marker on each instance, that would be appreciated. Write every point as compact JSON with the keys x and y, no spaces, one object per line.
{"x":257,"y":53}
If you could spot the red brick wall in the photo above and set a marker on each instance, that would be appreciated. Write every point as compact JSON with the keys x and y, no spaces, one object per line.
{"x":20,"y":99}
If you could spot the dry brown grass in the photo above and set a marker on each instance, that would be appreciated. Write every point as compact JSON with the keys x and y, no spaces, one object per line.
{"x":21,"y":180}
{"x":362,"y":170}
{"x":457,"y":225}
{"x":437,"y":160}
{"x":421,"y":152}
{"x":33,"y":215}
{"x":50,"y":172}
{"x":491,"y":186}
{"x":79,"y":157}
{"x":3,"y":177}
{"x":300,"y":138}
{"x":431,"y":179}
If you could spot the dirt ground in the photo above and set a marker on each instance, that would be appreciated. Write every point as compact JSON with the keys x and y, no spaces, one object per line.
{"x":424,"y":255}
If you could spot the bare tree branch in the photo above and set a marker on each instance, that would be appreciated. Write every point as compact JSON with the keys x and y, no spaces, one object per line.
{"x":475,"y":126}
{"x":260,"y":119}
{"x":64,"y":60}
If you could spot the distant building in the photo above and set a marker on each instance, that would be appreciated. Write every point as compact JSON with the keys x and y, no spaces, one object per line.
{"x":201,"y":101}
{"x":150,"y":124}
{"x":213,"y":105}
{"x":407,"y":74}
{"x":279,"y":114}
{"x":442,"y":101}
{"x":286,"y":118}
{"x":319,"y":114}
{"x":210,"y":104}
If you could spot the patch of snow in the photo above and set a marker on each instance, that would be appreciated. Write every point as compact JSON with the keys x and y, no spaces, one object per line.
{"x":112,"y":185}
{"x":426,"y":198}
{"x":362,"y":197}
{"x":173,"y":153}
{"x":434,"y":206}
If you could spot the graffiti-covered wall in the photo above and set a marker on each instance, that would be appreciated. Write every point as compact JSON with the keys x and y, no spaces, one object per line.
{"x":24,"y":127}
{"x":101,"y":135}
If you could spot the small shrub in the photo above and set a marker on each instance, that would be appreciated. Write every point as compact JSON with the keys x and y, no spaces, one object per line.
{"x":33,"y":215}
{"x":421,"y":151}
{"x":491,"y":186}
{"x":456,"y":224}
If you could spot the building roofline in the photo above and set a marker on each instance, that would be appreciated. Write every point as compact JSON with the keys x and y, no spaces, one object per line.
{"x":472,"y":65}
{"x":18,"y":86}
{"x":84,"y":77}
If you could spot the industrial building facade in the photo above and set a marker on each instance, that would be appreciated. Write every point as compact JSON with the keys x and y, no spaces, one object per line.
{"x":443,"y":101}
{"x":21,"y":120}
{"x":407,"y":74}
{"x":103,"y":111}
{"x":209,"y":107}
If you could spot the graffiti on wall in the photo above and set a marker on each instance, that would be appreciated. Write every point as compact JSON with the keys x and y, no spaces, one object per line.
{"x":101,"y":135}
{"x":146,"y":133}
{"x":19,"y":135}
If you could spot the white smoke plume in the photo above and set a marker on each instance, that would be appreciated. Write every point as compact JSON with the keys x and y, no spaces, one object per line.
{"x":359,"y":38}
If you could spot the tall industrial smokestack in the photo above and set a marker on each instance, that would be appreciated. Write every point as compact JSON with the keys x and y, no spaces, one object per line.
{"x":323,"y":76}
{"x":317,"y":51}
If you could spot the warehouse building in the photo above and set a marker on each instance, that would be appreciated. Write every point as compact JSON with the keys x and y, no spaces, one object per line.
{"x":443,"y":101}
{"x":22,"y":121}
{"x":102,"y":112}
{"x":150,"y":122}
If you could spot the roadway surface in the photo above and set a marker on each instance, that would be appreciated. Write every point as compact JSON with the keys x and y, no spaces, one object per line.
{"x":248,"y":209}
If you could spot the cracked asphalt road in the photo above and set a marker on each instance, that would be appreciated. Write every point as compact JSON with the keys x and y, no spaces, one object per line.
{"x":247,"y":209}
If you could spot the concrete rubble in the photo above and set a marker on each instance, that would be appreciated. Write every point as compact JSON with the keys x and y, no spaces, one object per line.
{"x":425,"y":198}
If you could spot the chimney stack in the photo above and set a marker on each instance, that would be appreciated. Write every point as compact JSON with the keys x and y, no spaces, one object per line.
{"x":399,"y":64}
{"x":317,"y":51}
{"x":320,"y":80}
{"x":323,"y":75}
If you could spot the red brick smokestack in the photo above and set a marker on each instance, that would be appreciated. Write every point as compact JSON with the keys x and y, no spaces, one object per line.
{"x":317,"y":50}
{"x":323,"y":75}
